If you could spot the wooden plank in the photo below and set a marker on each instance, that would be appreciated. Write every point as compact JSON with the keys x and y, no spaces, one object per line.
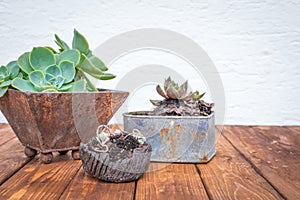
{"x":275,"y":153}
{"x":6,"y":133}
{"x":294,"y":129}
{"x":283,"y":137}
{"x":12,"y":158}
{"x":41,"y":181}
{"x":229,"y":176}
{"x":175,"y":181}
{"x":84,"y":186}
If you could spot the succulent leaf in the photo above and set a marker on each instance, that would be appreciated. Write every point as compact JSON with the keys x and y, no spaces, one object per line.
{"x":40,"y":58}
{"x":23,"y":85}
{"x":3,"y":91}
{"x":155,"y":102}
{"x":98,"y":63}
{"x":50,"y":90}
{"x":48,"y":77}
{"x":167,"y":83}
{"x":59,"y":81}
{"x":56,"y":82}
{"x":71,"y":55}
{"x":61,"y":43}
{"x":79,"y":86}
{"x":66,"y":87}
{"x":89,"y":54}
{"x":196,"y":96}
{"x":89,"y":68}
{"x":13,"y":69}
{"x":51,"y":49}
{"x":20,"y":75}
{"x":24,"y":64}
{"x":90,"y":86}
{"x":68,"y":71}
{"x":188,"y":97}
{"x":37,"y":78}
{"x":172,"y":92}
{"x":106,"y":76}
{"x":5,"y":83}
{"x":161,"y":91}
{"x":53,"y":70}
{"x":80,"y":43}
{"x":182,"y":90}
{"x":4,"y":74}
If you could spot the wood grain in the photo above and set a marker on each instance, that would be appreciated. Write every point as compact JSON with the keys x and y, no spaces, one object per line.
{"x":6,"y":133}
{"x":84,"y":186}
{"x":275,"y":153}
{"x":165,"y":181}
{"x":41,"y":181}
{"x":230,"y":176}
{"x":257,"y":162}
{"x":12,"y":158}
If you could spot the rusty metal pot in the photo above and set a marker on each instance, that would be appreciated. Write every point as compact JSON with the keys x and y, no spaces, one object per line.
{"x":188,"y":139}
{"x":47,"y":122}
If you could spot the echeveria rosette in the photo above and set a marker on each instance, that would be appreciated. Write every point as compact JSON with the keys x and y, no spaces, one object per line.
{"x":179,"y":102}
{"x":172,"y":90}
{"x":54,"y":73}
{"x":7,"y":74}
{"x":46,"y":70}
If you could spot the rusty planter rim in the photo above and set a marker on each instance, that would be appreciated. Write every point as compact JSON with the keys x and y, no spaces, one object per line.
{"x":142,"y":114}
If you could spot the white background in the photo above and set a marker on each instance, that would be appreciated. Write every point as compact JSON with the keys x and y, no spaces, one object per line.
{"x":254,"y":44}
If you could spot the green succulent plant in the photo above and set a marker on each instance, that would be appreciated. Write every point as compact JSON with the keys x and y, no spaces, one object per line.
{"x":172,"y":90}
{"x":46,"y":70}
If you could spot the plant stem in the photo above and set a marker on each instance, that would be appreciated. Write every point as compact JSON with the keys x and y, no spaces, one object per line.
{"x":89,"y":83}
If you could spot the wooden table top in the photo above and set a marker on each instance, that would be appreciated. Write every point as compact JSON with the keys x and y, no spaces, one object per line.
{"x":252,"y":162}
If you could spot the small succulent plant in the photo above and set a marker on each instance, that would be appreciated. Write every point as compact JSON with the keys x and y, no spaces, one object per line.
{"x":172,"y":90}
{"x":46,"y":70}
{"x":178,"y":101}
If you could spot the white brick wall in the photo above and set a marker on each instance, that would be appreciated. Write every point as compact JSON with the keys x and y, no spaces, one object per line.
{"x":254,"y":44}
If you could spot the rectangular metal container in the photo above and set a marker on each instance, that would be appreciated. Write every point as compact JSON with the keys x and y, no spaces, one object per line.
{"x":187,"y":139}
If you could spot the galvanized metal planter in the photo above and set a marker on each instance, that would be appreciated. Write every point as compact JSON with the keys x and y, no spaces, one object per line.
{"x":189,"y":139}
{"x":48,"y":122}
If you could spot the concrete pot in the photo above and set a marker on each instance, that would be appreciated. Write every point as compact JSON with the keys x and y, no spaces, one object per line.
{"x":48,"y":122}
{"x":188,"y":139}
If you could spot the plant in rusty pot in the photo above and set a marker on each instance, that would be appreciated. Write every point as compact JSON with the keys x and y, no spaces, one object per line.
{"x":117,"y":156}
{"x":49,"y":101}
{"x":180,"y":128}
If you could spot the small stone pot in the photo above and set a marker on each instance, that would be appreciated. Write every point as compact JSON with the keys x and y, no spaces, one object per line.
{"x":99,"y":165}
